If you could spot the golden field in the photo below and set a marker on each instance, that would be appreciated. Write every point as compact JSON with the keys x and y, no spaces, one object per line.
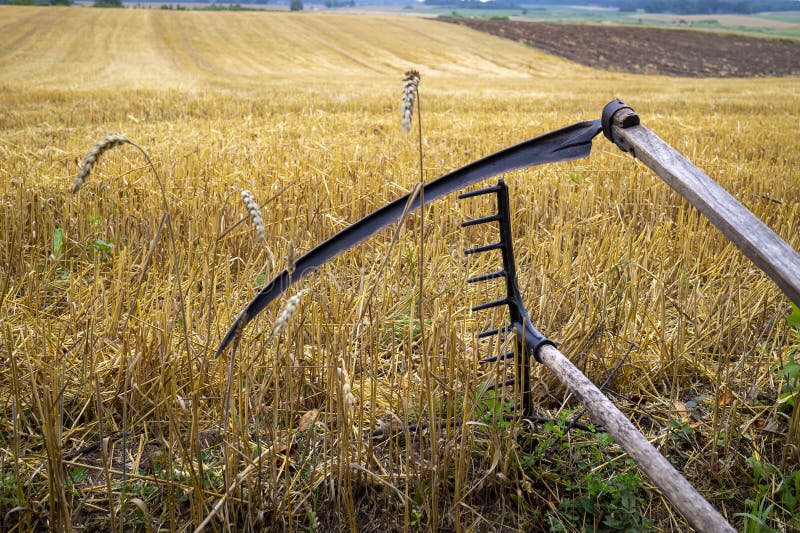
{"x":110,"y":319}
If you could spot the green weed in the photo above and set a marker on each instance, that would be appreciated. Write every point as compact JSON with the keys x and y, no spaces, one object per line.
{"x":100,"y":249}
{"x":773,"y":493}
{"x":598,"y":502}
{"x":599,"y":489}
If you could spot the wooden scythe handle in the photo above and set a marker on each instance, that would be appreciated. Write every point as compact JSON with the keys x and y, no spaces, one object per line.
{"x":758,"y":242}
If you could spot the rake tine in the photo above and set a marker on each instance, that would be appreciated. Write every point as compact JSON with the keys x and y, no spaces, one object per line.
{"x":482,"y":220}
{"x":490,"y":332}
{"x":489,"y":305}
{"x":506,"y":383}
{"x":486,"y":248}
{"x":487,"y":333}
{"x":501,"y":357}
{"x":479,"y":192}
{"x":485,"y":277}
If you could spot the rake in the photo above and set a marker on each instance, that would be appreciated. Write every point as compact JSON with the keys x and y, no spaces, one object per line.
{"x":527,"y":338}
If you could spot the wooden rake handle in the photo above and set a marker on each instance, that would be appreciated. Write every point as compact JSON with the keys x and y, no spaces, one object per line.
{"x":758,"y":242}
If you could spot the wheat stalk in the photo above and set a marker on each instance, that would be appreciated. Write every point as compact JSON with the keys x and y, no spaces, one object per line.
{"x":410,"y":87}
{"x":109,"y":142}
{"x":101,"y":147}
{"x":255,"y":214}
{"x":410,"y":97}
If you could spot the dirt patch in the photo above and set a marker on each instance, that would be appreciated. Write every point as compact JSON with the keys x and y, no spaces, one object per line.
{"x":652,"y":50}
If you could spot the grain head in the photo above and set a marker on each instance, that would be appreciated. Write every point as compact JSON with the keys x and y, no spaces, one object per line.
{"x":255,"y":214}
{"x":410,"y":88}
{"x":287,"y":313}
{"x":101,"y":147}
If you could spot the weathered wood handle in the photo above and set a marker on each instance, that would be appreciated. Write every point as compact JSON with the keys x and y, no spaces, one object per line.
{"x":698,"y":512}
{"x":758,"y":242}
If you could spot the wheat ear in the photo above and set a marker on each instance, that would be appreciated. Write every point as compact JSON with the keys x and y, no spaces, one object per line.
{"x":255,"y":214}
{"x":348,"y":397}
{"x":287,"y":313}
{"x":101,"y":147}
{"x":410,"y":86}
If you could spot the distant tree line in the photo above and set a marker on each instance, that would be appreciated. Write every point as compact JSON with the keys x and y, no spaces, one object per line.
{"x":678,"y":7}
{"x":294,"y":5}
{"x":474,"y":4}
{"x":705,"y":7}
{"x":36,"y":3}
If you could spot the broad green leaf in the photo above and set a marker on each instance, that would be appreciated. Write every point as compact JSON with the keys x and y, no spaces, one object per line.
{"x":105,"y":247}
{"x":794,"y":319}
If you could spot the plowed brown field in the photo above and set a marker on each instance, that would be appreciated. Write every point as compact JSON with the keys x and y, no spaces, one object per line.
{"x":652,"y":50}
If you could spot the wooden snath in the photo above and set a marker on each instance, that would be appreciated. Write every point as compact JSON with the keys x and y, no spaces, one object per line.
{"x":757,"y":241}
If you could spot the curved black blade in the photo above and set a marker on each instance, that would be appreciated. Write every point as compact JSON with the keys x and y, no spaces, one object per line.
{"x":565,"y":144}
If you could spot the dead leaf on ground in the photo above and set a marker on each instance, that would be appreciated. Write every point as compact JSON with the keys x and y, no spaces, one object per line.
{"x":680,"y":410}
{"x":307,"y":419}
{"x":725,"y":397}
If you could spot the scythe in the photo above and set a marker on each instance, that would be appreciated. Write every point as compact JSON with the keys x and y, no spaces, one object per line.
{"x":621,"y":125}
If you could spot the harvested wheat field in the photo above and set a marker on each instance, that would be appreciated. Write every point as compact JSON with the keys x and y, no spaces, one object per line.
{"x":356,"y":401}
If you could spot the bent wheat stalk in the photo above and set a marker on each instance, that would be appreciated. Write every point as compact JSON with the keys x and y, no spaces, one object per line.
{"x":101,"y":147}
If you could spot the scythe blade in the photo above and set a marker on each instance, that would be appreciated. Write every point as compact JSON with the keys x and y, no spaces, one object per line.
{"x":565,"y":144}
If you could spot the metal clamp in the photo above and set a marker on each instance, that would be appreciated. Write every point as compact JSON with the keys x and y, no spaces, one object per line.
{"x":617,"y":113}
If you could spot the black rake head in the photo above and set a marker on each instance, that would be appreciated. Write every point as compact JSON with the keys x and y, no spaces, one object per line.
{"x":528,"y":338}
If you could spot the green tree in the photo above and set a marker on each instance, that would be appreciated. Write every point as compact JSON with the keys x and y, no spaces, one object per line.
{"x":296,"y":5}
{"x":108,"y":3}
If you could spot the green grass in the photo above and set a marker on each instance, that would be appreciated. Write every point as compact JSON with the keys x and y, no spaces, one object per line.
{"x":578,"y":15}
{"x":600,"y":489}
{"x":786,"y":16}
